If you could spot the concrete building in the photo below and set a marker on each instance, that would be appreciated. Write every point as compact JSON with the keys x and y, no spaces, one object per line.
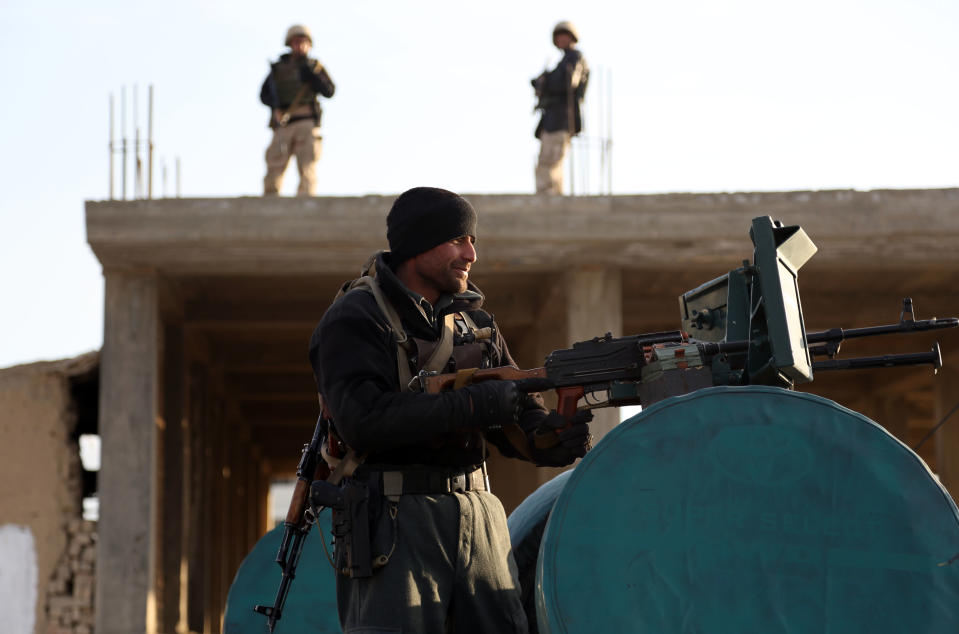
{"x":206,"y":394}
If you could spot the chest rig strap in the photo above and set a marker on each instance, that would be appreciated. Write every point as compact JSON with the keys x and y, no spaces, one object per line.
{"x":441,"y":353}
{"x":405,"y":347}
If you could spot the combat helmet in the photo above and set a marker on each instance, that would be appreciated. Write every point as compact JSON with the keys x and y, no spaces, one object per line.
{"x":566,"y":27}
{"x":299,"y":29}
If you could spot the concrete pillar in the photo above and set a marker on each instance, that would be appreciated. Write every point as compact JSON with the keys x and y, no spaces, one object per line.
{"x":214,"y":524}
{"x":196,"y":504}
{"x":947,"y":436}
{"x":594,"y":306}
{"x":171,"y":484}
{"x":548,"y":334}
{"x":589,"y":302}
{"x":128,"y":410}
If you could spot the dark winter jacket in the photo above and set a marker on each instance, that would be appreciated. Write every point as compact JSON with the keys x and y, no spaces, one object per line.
{"x":353,"y":355}
{"x":561,"y":92}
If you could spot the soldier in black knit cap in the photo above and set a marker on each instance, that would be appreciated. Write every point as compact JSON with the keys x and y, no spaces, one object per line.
{"x":437,"y":537}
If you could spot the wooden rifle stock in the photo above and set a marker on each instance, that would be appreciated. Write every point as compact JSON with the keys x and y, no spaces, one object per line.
{"x":298,"y":503}
{"x":436,"y":383}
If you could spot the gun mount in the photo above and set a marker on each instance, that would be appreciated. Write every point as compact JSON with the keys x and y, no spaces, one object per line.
{"x":750,"y":321}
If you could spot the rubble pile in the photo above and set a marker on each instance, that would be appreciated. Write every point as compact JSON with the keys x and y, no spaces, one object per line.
{"x":70,"y":595}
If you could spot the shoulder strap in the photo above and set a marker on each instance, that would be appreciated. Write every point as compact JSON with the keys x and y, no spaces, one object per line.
{"x":399,"y":334}
{"x":444,"y":348}
{"x":469,"y":321}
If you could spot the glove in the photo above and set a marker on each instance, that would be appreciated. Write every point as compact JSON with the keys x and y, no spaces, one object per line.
{"x":538,"y":82}
{"x":306,"y":72}
{"x":551,"y":449}
{"x":498,"y":403}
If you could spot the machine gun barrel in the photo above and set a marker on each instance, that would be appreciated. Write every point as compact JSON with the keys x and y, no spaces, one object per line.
{"x":833,"y":337}
{"x":830,"y":340}
{"x":903,"y":327}
{"x":933,"y":358}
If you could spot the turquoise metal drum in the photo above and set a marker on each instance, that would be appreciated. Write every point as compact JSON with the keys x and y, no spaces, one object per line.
{"x":750,"y":509}
{"x":526,"y":525}
{"x":311,"y":603}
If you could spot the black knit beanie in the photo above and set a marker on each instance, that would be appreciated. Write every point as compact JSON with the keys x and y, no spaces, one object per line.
{"x":424,"y":217}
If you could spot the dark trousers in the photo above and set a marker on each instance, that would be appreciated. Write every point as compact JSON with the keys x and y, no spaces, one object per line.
{"x":450,"y":570}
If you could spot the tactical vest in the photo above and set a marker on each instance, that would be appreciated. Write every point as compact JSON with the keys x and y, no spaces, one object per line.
{"x":287,"y":83}
{"x":463,"y":343}
{"x":463,"y":347}
{"x":472,"y":346}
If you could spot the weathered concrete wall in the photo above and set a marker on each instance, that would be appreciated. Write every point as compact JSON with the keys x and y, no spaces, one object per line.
{"x":40,"y":470}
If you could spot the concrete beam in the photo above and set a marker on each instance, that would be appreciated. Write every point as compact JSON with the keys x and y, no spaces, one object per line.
{"x":871,"y":230}
{"x":171,"y":493}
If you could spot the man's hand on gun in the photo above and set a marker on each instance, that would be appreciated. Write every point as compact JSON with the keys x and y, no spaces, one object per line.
{"x":497,"y":403}
{"x":556,"y":441}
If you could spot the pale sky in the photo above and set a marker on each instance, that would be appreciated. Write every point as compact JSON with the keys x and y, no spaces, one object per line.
{"x":745,"y":95}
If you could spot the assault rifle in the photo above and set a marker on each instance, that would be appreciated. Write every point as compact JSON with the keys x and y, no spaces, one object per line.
{"x":299,"y":520}
{"x":748,"y":327}
{"x":317,"y":487}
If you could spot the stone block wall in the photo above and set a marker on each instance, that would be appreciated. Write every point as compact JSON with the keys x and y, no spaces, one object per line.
{"x":70,"y":593}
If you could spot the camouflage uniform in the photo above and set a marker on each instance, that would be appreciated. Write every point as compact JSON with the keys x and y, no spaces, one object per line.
{"x":291,"y":90}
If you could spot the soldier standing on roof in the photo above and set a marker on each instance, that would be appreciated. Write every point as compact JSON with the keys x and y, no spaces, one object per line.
{"x":290,"y":90}
{"x":560,"y":93}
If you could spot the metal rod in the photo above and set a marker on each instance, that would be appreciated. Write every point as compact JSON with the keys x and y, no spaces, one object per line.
{"x":123,"y":132}
{"x":609,"y":132}
{"x":137,"y":176}
{"x":570,"y":96}
{"x":178,"y":177}
{"x":137,"y":172}
{"x":111,"y":146}
{"x":150,"y":147}
{"x":602,"y":131}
